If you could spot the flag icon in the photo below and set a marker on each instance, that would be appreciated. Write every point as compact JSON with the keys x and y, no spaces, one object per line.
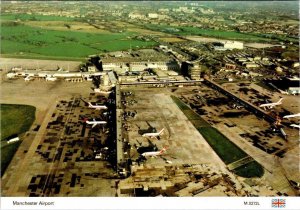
{"x":278,"y":203}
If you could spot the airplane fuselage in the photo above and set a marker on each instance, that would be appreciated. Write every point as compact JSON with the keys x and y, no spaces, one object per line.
{"x":154,"y":153}
{"x":292,"y":115}
{"x":271,"y":105}
{"x":101,"y":91}
{"x":295,"y":125}
{"x":145,"y":154}
{"x":95,"y":122}
{"x":98,"y":107}
{"x":150,"y":134}
{"x":153,"y":134}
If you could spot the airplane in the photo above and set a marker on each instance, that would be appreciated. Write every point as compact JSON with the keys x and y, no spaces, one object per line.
{"x":97,"y":90}
{"x":152,"y":135}
{"x":295,"y":125}
{"x":154,"y":153}
{"x":97,"y":107}
{"x":271,"y":105}
{"x":51,"y":79}
{"x":292,"y":115}
{"x":28,"y":78}
{"x":94,"y":122}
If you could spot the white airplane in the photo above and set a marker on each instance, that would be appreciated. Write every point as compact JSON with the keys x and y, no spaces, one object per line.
{"x":295,"y":125}
{"x":154,"y":154}
{"x":292,"y":115}
{"x":97,"y":90}
{"x":28,"y":78}
{"x":97,"y":107}
{"x":51,"y":79}
{"x":94,"y":122}
{"x":11,"y":75}
{"x":152,"y":135}
{"x":271,"y":105}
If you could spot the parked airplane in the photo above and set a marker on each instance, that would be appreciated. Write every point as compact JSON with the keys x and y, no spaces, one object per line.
{"x":51,"y":79}
{"x":154,"y":153}
{"x":97,"y":107}
{"x":152,"y":135}
{"x":28,"y":78}
{"x":94,"y":122}
{"x":292,"y":115}
{"x":97,"y":90}
{"x":295,"y":125}
{"x":271,"y":105}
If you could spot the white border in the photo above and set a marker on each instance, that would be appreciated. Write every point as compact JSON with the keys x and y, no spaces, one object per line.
{"x":161,"y":203}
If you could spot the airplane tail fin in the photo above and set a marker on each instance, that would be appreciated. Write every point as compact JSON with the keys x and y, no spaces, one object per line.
{"x":164,"y":149}
{"x":162,"y":130}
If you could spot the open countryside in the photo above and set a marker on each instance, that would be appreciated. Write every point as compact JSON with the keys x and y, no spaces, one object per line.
{"x":20,"y":39}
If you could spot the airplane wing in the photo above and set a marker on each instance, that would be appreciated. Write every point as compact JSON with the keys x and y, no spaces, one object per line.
{"x":295,"y":125}
{"x":156,"y":137}
{"x":94,"y":125}
{"x":86,"y":103}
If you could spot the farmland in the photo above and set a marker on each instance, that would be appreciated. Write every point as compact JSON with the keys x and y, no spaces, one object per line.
{"x":41,"y":38}
{"x":188,"y":30}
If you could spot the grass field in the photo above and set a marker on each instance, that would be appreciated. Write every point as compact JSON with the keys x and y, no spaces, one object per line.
{"x":188,"y":30}
{"x":7,"y":153}
{"x":197,"y":121}
{"x":20,"y":39}
{"x":226,"y":150}
{"x":15,"y":119}
{"x":252,"y":169}
{"x":26,"y":17}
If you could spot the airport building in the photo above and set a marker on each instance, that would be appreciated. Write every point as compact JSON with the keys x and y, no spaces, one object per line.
{"x":122,"y":67}
{"x":194,"y":71}
{"x":229,"y":45}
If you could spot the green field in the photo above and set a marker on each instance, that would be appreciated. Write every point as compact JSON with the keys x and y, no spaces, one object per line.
{"x":189,"y":30}
{"x":7,"y":153}
{"x":15,"y":119}
{"x":252,"y":169}
{"x":25,"y":17}
{"x":226,"y":150}
{"x":197,"y":121}
{"x":22,"y":40}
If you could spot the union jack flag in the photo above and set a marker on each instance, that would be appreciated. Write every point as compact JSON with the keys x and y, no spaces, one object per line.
{"x":278,"y":203}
